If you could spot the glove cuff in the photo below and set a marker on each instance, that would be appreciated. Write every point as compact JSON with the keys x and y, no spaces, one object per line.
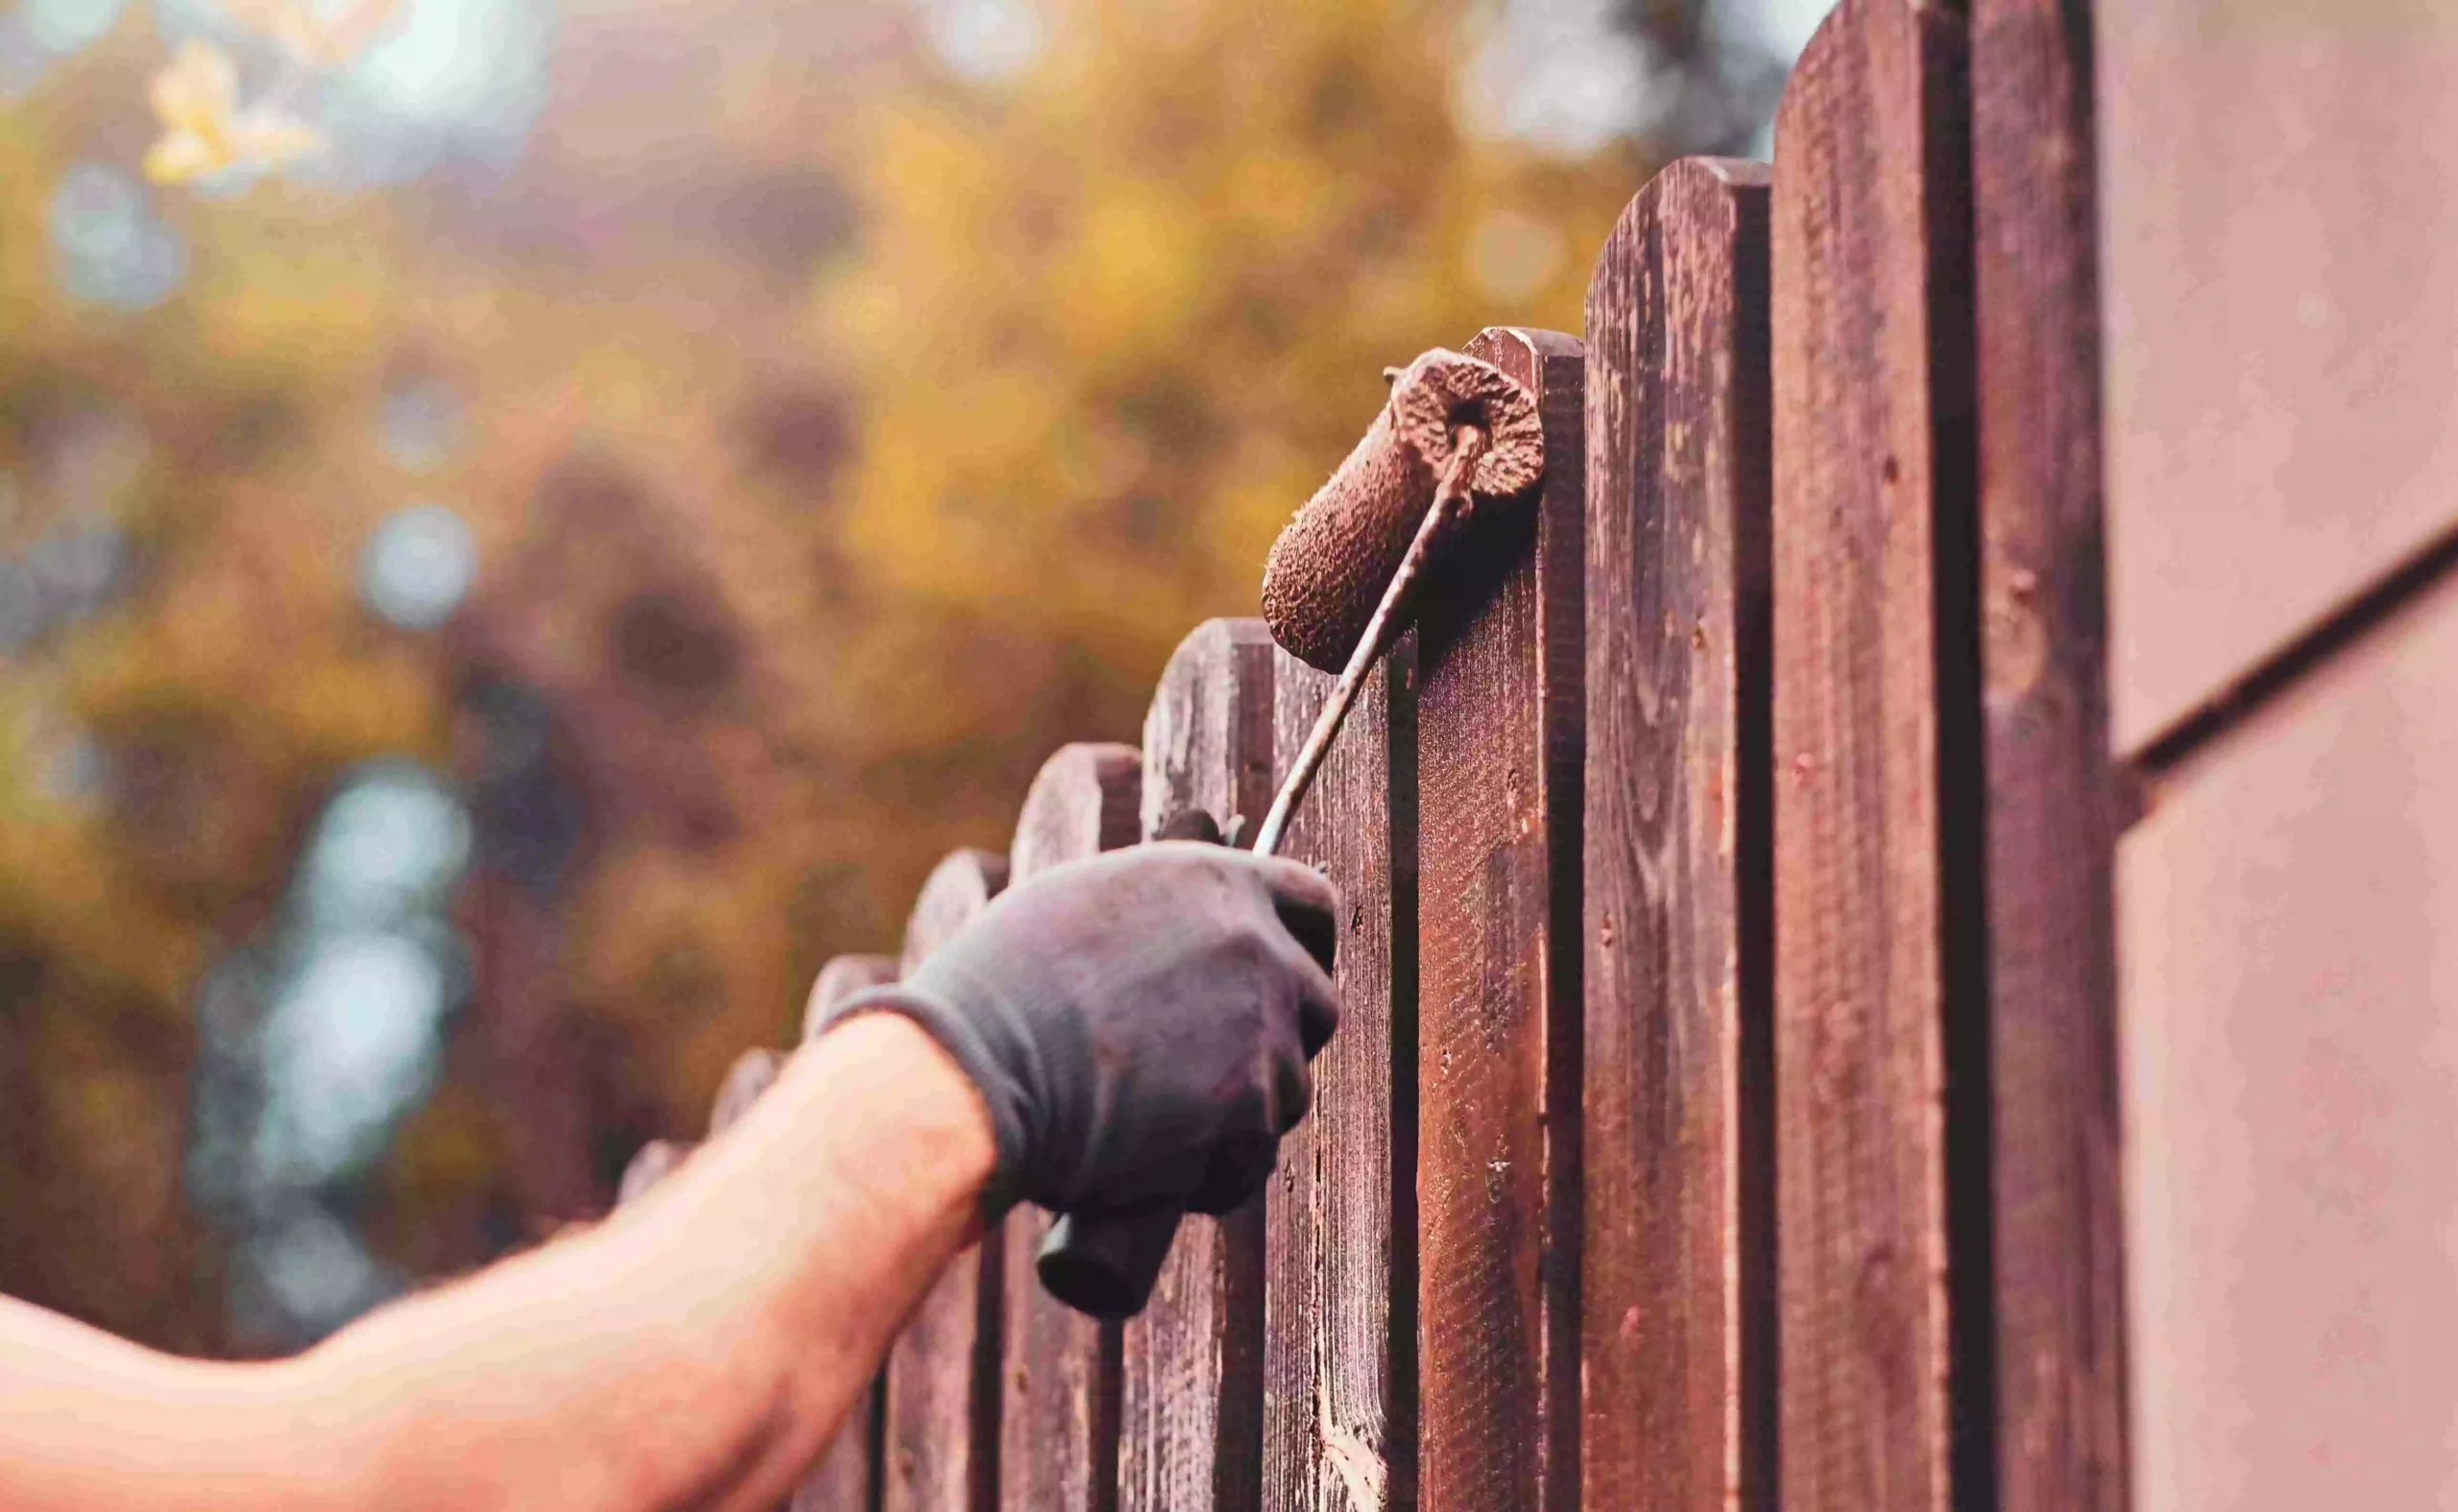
{"x":964,"y":1043}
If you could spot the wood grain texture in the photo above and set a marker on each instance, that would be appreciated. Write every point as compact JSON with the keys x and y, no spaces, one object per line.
{"x":1872,"y":714}
{"x":941,"y":1440}
{"x":1058,"y":1422}
{"x":2280,"y":219}
{"x":1190,"y":1405}
{"x":845,"y":1479}
{"x":753,"y":1072}
{"x":2058,"y":1292}
{"x":1339,"y":1355}
{"x":1086,"y":799}
{"x":1499,"y":749}
{"x":841,"y":978}
{"x":1678,"y":1248}
{"x":2291,"y":1097}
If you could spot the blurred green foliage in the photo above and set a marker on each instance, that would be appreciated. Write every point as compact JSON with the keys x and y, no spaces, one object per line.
{"x":836,"y":432}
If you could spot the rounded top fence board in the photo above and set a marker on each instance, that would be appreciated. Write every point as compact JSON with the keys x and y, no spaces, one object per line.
{"x":2279,"y":226}
{"x":958,"y":888}
{"x":1086,"y":797}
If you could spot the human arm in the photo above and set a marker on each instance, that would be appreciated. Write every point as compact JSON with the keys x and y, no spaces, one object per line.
{"x":695,"y":1351}
{"x":1132,"y":1029}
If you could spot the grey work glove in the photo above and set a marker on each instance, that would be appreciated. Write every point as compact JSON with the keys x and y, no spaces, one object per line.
{"x":1138,"y":1023}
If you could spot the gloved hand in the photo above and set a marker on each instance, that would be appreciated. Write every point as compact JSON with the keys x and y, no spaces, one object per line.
{"x":1138,"y":1023}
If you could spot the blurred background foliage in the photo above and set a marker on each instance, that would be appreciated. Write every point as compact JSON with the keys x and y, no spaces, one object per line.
{"x":524,"y":528}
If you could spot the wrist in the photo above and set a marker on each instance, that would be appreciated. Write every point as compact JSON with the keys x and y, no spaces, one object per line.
{"x":898,"y":1090}
{"x":957,"y":1045}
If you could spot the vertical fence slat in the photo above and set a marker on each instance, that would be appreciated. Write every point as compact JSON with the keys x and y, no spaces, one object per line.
{"x":1340,"y":1349}
{"x":1499,"y":751}
{"x":1678,"y":1247}
{"x":1057,"y":1426}
{"x":2060,"y":1429}
{"x":1191,"y":1431}
{"x":845,"y":1479}
{"x":941,"y":1441}
{"x":1873,"y":651}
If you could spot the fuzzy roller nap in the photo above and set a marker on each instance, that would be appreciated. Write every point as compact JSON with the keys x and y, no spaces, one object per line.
{"x":1335,"y":560}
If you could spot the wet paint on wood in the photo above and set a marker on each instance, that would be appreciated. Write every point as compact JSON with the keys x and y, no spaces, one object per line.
{"x":1499,"y":749}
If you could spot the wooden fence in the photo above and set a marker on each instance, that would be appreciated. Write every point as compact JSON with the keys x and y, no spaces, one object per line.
{"x":1725,"y":1112}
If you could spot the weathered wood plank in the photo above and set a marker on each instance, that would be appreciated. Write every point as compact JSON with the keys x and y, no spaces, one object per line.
{"x":844,"y":1480}
{"x":1677,"y":1292}
{"x":941,"y":1440}
{"x":1499,"y":749}
{"x":1058,"y":1424}
{"x":2291,"y":1095}
{"x":1191,"y":1408}
{"x":1339,"y":1346}
{"x":2058,"y":1293}
{"x":1875,"y":716}
{"x":2280,"y":217}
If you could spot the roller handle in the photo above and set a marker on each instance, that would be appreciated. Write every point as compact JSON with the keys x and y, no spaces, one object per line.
{"x":1105,"y":1263}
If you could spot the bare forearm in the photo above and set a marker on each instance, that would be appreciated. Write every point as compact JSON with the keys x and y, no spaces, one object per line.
{"x":694,"y":1352}
{"x":697,"y":1349}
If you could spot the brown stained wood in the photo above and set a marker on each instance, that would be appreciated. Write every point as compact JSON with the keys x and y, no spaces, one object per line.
{"x":2278,"y":210}
{"x":1340,"y":1356}
{"x":940,"y":1445}
{"x":1086,"y":799}
{"x":2286,"y":960}
{"x":753,"y":1072}
{"x":1191,"y":1405}
{"x":2058,"y":1292}
{"x":844,"y":1480}
{"x":1058,"y":1422}
{"x":654,"y":1162}
{"x":841,"y":978}
{"x":1678,"y":1246}
{"x":1874,"y":709}
{"x":1499,"y":749}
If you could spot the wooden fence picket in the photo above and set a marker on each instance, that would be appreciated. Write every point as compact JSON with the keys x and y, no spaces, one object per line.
{"x":2058,"y":1294}
{"x":1499,"y":748}
{"x":1339,"y":1244}
{"x":1876,"y":771}
{"x":1677,"y":1296}
{"x":1191,"y":1403}
{"x":940,"y":1443}
{"x":846,"y":1478}
{"x":1058,"y":1419}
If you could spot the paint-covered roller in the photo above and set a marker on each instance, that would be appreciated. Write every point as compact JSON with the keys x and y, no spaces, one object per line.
{"x":1453,"y":433}
{"x":1336,"y":560}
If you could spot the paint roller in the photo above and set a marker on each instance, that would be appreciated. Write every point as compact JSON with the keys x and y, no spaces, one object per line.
{"x":1456,"y":435}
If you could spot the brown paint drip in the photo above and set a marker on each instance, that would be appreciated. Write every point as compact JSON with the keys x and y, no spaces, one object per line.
{"x":1333,"y":560}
